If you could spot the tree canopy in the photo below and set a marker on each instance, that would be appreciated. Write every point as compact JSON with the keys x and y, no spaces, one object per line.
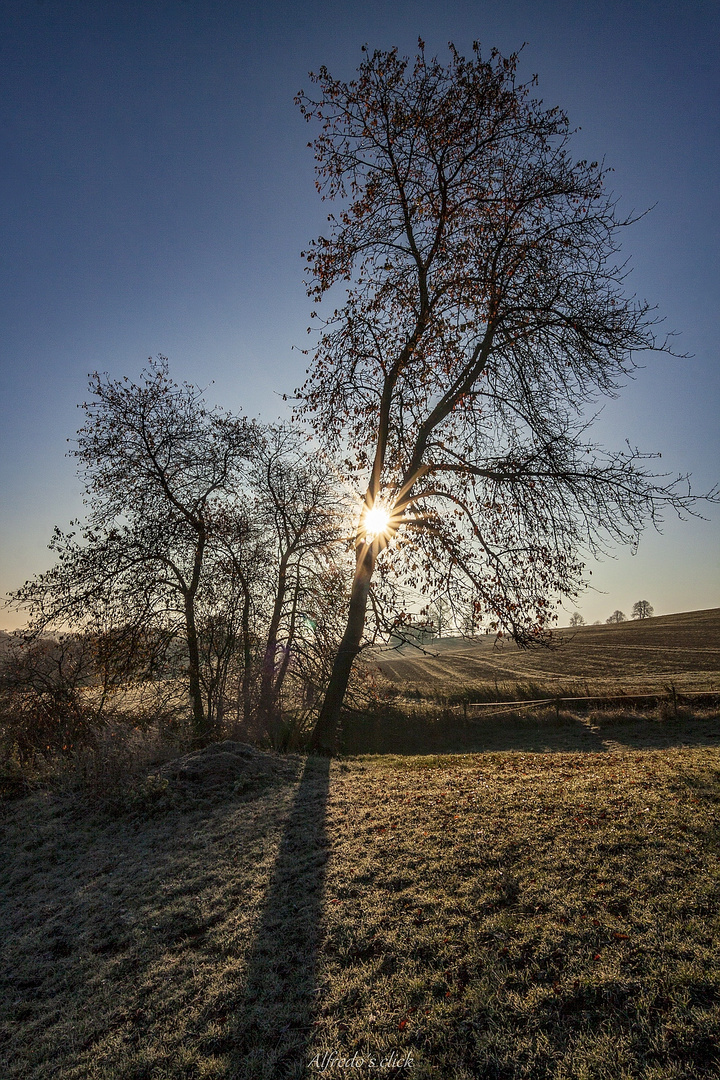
{"x":485,"y":310}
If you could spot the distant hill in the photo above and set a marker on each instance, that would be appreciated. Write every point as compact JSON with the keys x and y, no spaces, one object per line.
{"x":645,"y":655}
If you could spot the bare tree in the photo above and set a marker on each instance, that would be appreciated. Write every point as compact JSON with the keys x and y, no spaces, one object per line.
{"x":642,"y":609}
{"x":617,"y":617}
{"x":208,"y":543}
{"x":485,"y":310}
{"x":439,"y":614}
{"x":576,"y":619}
{"x":233,"y":567}
{"x":243,"y":571}
{"x":156,"y":465}
{"x":299,"y":507}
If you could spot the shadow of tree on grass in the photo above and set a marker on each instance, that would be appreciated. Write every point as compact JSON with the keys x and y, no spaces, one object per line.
{"x":391,"y":731}
{"x":270,"y":1035}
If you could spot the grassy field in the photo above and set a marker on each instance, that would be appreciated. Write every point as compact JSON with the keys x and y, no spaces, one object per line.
{"x":544,"y":904}
{"x":487,"y":915}
{"x":643,"y":656}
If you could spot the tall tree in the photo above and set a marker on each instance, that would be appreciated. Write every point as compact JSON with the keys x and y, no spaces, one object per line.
{"x":642,"y":609}
{"x":485,"y":309}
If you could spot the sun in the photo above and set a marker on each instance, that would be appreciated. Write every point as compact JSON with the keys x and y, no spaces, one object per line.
{"x":376,"y":521}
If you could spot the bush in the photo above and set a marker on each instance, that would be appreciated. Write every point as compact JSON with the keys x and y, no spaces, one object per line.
{"x":62,"y":724}
{"x":46,"y":700}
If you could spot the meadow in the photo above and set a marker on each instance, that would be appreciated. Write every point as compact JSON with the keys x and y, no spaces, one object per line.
{"x":546,"y":908}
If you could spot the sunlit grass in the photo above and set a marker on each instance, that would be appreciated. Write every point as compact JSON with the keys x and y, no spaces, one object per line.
{"x":518,"y":915}
{"x":500,"y":915}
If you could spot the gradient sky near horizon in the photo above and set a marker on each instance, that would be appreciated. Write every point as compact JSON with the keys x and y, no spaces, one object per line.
{"x":156,"y":192}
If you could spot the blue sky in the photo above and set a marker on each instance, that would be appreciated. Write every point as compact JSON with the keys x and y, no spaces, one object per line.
{"x":156,"y":191}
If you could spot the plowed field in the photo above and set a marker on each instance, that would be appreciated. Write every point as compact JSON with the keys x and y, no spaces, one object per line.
{"x":645,"y":656}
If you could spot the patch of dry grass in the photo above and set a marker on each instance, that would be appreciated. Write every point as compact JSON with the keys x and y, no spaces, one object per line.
{"x":517,"y":915}
{"x":489,"y":915}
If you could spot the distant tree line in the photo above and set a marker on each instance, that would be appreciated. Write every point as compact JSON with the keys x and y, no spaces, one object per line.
{"x":642,"y":609}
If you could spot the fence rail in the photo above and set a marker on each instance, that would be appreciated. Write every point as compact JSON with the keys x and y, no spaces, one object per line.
{"x":598,"y":700}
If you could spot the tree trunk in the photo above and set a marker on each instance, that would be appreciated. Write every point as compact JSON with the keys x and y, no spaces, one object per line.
{"x":245,"y":688}
{"x":267,"y":692}
{"x":285,"y":663}
{"x":324,"y":736}
{"x":199,"y":722}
